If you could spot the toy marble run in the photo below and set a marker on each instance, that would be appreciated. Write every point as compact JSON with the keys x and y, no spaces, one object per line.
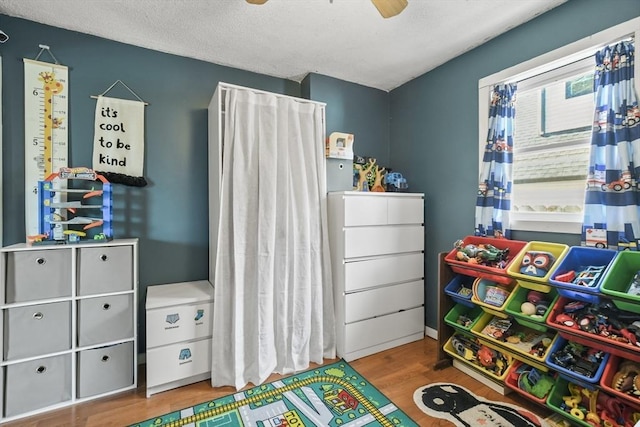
{"x":69,"y":221}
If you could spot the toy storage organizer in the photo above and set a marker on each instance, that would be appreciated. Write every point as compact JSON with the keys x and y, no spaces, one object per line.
{"x":68,"y":324}
{"x":550,"y":317}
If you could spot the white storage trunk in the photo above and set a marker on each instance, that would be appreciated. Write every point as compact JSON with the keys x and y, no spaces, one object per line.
{"x":179,"y":321}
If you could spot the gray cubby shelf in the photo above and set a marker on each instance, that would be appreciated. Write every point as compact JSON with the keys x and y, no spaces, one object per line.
{"x":68,"y":324}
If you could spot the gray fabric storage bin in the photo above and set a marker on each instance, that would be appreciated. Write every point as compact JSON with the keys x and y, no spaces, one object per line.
{"x":104,"y":319}
{"x":105,"y":269}
{"x":37,"y":275}
{"x":37,"y":384}
{"x":105,"y":369}
{"x":37,"y":329}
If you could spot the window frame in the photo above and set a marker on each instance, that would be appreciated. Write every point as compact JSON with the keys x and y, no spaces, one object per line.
{"x":563,"y":56}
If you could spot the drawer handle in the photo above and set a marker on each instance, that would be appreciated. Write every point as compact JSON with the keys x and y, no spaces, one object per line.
{"x":38,"y":316}
{"x":41,"y":369}
{"x":103,"y":257}
{"x":105,"y":358}
{"x":106,"y":306}
{"x":41,"y":261}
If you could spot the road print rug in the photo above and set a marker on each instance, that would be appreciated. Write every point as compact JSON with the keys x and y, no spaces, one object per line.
{"x":331,"y":395}
{"x":465,"y":409}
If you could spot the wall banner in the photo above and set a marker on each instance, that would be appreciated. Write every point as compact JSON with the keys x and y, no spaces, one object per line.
{"x":118,"y":142}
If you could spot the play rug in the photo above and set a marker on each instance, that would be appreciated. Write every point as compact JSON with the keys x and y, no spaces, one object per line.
{"x":463,"y":408}
{"x":330,"y":395}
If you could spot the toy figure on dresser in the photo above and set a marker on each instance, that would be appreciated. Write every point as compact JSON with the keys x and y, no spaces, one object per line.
{"x":484,"y":254}
{"x":363,"y":174}
{"x":395,"y":182}
{"x":377,"y":183}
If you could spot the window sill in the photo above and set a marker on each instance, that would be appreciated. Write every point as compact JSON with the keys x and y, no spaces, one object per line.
{"x":550,"y":222}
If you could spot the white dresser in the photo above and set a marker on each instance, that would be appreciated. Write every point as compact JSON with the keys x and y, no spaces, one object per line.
{"x":179,"y":321}
{"x":377,"y":259}
{"x":68,"y":324}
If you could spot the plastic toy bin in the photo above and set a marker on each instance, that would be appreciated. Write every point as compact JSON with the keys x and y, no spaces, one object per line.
{"x":497,"y":374}
{"x":460,"y":289}
{"x":498,"y":275}
{"x":491,"y":296}
{"x":531,"y":349}
{"x":537,"y":320}
{"x":574,"y":333}
{"x":607,"y":380}
{"x":576,"y":377}
{"x":617,"y":282}
{"x":471,"y":315}
{"x":555,"y":401}
{"x":519,"y":373}
{"x":579,"y":259}
{"x":530,"y":281}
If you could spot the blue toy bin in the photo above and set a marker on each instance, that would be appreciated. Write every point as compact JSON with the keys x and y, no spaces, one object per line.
{"x":579,"y":259}
{"x":574,"y":377}
{"x":458,"y":283}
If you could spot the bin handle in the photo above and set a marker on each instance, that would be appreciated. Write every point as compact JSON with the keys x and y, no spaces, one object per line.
{"x":41,"y":369}
{"x":38,"y":315}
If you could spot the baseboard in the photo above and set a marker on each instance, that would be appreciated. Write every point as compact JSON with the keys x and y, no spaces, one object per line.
{"x":500,"y":388}
{"x":431,"y":333}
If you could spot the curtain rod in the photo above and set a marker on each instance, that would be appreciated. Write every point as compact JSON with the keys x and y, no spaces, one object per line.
{"x":224,"y":86}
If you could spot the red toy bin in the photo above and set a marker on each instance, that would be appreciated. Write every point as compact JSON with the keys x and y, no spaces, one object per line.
{"x":513,"y":377}
{"x":498,"y":275}
{"x":606,"y":382}
{"x":609,"y":345}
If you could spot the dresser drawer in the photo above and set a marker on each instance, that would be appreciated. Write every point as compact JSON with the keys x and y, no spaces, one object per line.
{"x":177,"y":361}
{"x":38,"y":274}
{"x":367,"y":333}
{"x":37,"y":384}
{"x":381,"y":301}
{"x":105,"y":369}
{"x":381,"y":271}
{"x":365,"y":210}
{"x":37,"y":329}
{"x":371,"y":241}
{"x":380,"y":209}
{"x":405,"y":210}
{"x":178,"y":323}
{"x":105,"y":269}
{"x":105,"y":319}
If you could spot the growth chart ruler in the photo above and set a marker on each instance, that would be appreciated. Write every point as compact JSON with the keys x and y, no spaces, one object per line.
{"x":45,"y":130}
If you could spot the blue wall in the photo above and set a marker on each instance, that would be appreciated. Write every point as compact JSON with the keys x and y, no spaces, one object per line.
{"x":434,"y":122}
{"x":170,"y":215}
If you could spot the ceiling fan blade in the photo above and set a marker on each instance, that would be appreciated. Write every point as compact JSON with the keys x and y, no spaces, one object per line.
{"x":389,"y":8}
{"x":257,"y":1}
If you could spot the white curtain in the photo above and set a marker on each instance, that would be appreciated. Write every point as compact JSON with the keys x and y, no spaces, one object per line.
{"x":273,"y":306}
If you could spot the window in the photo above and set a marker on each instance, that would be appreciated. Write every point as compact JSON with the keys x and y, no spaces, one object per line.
{"x":553,"y":122}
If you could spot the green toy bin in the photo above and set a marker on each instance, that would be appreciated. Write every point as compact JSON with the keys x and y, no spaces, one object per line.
{"x":529,"y":281}
{"x":555,"y":401}
{"x":471,"y":313}
{"x":538,"y":320}
{"x":617,"y":281}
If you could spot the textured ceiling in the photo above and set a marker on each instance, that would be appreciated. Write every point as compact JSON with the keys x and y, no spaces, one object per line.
{"x":345,"y":39}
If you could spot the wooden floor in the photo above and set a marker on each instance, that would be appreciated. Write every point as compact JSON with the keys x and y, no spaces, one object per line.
{"x":397,"y":373}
